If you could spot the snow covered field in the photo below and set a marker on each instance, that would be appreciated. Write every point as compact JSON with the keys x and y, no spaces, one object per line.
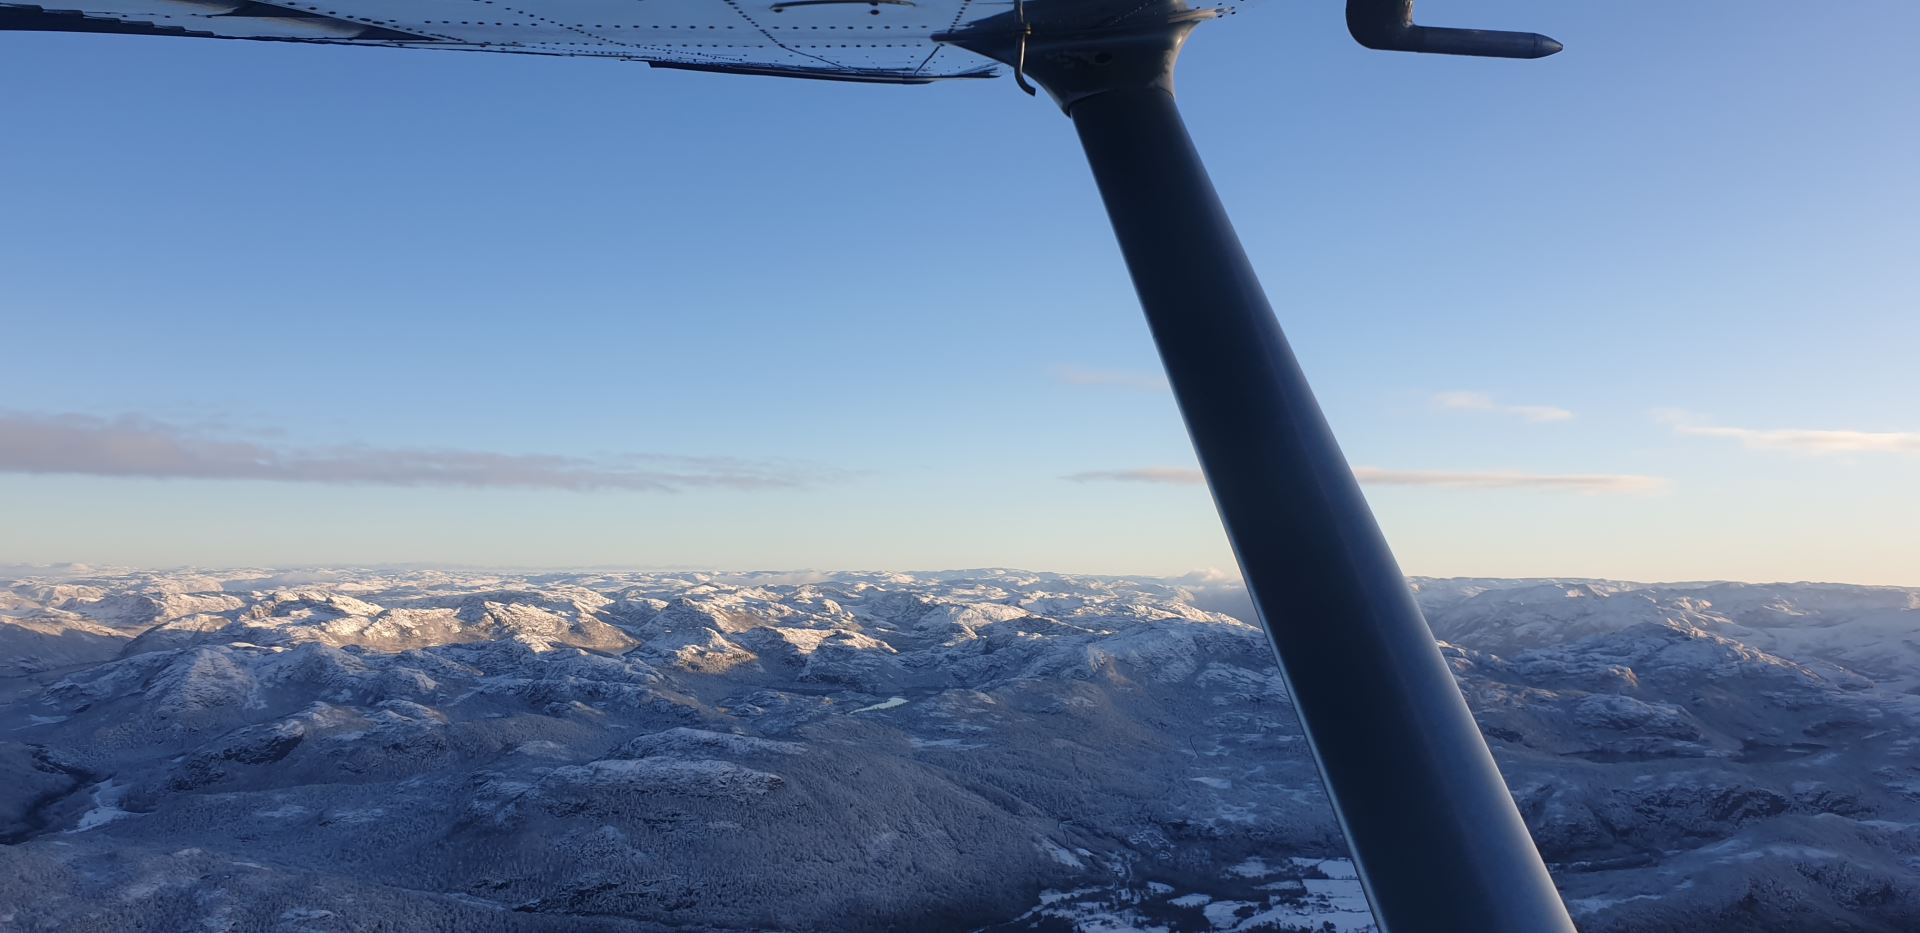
{"x":330,"y":750}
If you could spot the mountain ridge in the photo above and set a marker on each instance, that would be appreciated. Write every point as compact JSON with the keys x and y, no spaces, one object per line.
{"x":974,"y":749}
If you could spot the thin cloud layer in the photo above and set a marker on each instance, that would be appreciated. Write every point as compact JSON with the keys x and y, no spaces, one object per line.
{"x":1567,"y":482}
{"x":1481,"y":401}
{"x":1123,"y":379}
{"x":1799,"y":440}
{"x":139,"y":447}
{"x":1584,"y":483}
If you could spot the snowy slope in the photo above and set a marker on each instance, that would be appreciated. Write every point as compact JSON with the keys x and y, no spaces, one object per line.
{"x":328,"y":750}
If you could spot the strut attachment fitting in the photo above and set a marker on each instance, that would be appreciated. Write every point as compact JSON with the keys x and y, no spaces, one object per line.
{"x":1074,"y":62}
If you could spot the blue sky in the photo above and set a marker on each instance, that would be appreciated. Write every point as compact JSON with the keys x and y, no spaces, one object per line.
{"x":862,"y":326}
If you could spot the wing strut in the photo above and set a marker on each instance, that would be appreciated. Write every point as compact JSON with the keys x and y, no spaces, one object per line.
{"x":1435,"y":834}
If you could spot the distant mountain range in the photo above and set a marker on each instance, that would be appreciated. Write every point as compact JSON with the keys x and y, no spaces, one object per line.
{"x":352,"y":750}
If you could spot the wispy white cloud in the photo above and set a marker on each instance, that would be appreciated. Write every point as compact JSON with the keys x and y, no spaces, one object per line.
{"x":1481,"y":401}
{"x":132,"y":446}
{"x":1584,"y":483}
{"x":1115,"y":378}
{"x":1589,"y":483}
{"x":1818,"y":442}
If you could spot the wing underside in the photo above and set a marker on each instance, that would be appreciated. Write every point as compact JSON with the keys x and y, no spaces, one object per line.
{"x":854,"y":40}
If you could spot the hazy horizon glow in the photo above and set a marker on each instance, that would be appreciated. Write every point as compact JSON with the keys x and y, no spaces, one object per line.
{"x":1637,"y":311}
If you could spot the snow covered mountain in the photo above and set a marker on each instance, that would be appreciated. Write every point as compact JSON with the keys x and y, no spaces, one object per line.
{"x":1000,"y":750}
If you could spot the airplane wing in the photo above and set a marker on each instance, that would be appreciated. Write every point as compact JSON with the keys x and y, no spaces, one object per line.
{"x":883,"y":41}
